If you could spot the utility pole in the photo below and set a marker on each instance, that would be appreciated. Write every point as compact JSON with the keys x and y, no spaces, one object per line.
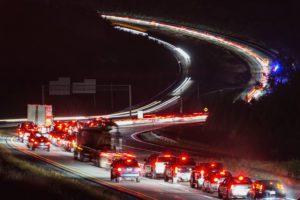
{"x":180,"y":111}
{"x":130,"y":100}
{"x":43,"y":94}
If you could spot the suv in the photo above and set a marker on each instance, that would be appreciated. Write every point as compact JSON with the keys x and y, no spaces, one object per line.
{"x":37,"y":140}
{"x":264,"y":189}
{"x":125,"y":168}
{"x":154,"y":165}
{"x":25,"y":129}
{"x":180,"y":170}
{"x":212,"y":181}
{"x":234,"y":187}
{"x":201,"y":170}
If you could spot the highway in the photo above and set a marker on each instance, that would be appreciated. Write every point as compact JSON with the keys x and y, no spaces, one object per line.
{"x":146,"y":189}
{"x":260,"y":66}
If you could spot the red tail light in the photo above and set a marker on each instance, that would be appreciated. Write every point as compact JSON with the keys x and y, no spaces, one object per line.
{"x":202,"y":172}
{"x":128,"y":160}
{"x":167,"y":156}
{"x":241,"y":178}
{"x":35,"y":142}
{"x":119,"y":169}
{"x":32,"y":139}
{"x":222,"y":172}
{"x":232,"y":187}
{"x":183,"y":158}
{"x":216,"y":179}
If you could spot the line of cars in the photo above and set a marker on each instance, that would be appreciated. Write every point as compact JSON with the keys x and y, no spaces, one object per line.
{"x":29,"y":134}
{"x":210,"y":177}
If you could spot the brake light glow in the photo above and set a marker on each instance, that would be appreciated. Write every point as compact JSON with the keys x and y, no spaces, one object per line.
{"x":35,"y":142}
{"x":32,"y":139}
{"x":232,"y":187}
{"x":213,"y":165}
{"x":279,"y":186}
{"x":183,"y":158}
{"x":176,"y":170}
{"x":167,"y":155}
{"x":216,"y":179}
{"x":119,"y":169}
{"x":241,"y":178}
{"x":202,"y":172}
{"x":222,"y":172}
{"x":128,"y":160}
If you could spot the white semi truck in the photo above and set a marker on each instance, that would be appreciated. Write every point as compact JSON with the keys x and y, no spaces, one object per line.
{"x":41,"y":115}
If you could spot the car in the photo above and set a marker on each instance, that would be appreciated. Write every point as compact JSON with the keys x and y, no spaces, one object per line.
{"x":266,"y":189}
{"x":25,"y":129}
{"x":56,"y":136}
{"x":201,"y":170}
{"x":212,"y":181}
{"x":37,"y":140}
{"x":179,"y":170}
{"x":234,"y":187}
{"x":125,"y":168}
{"x":69,"y":143}
{"x":154,"y":165}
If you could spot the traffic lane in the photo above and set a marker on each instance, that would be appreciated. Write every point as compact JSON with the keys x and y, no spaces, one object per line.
{"x":156,"y":189}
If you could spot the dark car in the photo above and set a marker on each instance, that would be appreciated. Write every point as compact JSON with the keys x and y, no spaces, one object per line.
{"x":213,"y":180}
{"x":37,"y":140}
{"x":201,"y":170}
{"x":179,"y":170}
{"x":155,"y":164}
{"x":266,"y":189}
{"x":125,"y":168}
{"x":234,"y":187}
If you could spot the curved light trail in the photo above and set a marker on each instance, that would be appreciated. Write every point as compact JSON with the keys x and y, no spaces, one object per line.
{"x":258,"y":61}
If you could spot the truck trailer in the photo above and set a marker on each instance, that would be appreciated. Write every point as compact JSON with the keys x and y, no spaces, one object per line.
{"x":98,"y":145}
{"x":41,"y":115}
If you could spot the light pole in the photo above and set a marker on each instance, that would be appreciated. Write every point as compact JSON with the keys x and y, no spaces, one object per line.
{"x":130,"y":100}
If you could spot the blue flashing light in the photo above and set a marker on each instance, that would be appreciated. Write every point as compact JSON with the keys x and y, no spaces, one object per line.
{"x":276,"y":68}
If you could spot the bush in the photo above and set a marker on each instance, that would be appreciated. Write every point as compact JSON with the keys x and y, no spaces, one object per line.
{"x":293,"y":168}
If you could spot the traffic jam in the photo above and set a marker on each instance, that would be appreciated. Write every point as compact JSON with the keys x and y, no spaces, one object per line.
{"x":98,"y":141}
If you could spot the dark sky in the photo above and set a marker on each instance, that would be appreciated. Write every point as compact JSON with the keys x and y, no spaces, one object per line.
{"x":43,"y":40}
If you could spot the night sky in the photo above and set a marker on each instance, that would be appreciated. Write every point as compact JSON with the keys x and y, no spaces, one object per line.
{"x":43,"y":40}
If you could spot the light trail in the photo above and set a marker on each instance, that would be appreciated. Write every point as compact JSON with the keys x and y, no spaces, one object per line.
{"x":258,"y":60}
